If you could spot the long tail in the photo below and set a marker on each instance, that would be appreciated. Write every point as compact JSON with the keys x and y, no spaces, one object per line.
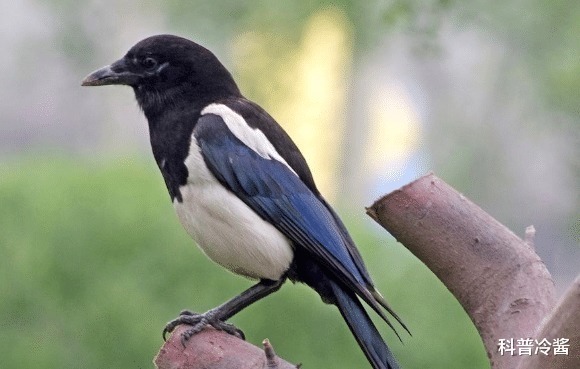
{"x":363,"y":329}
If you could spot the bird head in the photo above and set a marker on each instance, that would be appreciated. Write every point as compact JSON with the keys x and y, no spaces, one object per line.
{"x":163,"y":67}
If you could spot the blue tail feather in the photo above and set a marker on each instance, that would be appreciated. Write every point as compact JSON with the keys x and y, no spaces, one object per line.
{"x":363,"y":329}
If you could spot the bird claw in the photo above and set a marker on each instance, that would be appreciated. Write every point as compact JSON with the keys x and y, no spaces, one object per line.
{"x":198,"y":322}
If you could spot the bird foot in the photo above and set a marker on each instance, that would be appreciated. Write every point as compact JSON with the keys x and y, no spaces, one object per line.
{"x":198,"y":322}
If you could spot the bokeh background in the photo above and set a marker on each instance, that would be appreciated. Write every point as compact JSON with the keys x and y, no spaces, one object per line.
{"x":92,"y":259}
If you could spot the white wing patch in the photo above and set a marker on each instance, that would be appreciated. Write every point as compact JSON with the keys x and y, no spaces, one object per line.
{"x":251,"y":137}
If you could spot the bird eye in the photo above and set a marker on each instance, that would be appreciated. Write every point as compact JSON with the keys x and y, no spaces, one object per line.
{"x":149,"y":63}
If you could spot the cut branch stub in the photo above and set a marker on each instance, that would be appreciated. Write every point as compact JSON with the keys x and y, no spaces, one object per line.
{"x":498,"y":279}
{"x":212,"y":349}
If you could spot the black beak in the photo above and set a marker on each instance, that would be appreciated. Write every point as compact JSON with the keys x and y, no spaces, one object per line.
{"x":114,"y":74}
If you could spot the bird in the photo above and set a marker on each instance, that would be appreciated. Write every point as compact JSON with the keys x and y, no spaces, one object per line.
{"x":243,"y":191}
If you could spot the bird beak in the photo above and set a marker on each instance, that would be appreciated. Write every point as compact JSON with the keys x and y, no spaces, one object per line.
{"x":114,"y":74}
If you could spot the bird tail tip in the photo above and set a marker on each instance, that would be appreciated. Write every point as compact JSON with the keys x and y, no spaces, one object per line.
{"x":363,"y":329}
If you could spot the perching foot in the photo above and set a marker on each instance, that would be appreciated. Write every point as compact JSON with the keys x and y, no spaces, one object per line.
{"x":198,"y":323}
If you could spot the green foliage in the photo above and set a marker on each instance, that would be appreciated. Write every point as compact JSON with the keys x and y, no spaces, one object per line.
{"x":94,"y":263}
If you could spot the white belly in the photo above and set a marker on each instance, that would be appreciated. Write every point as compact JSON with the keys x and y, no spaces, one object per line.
{"x":226,"y":229}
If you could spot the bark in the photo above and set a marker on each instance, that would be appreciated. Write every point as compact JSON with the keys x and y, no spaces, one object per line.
{"x":563,"y":322}
{"x":498,"y":278}
{"x":212,"y":349}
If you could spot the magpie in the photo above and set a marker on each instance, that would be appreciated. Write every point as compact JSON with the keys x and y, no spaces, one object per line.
{"x":242,"y":189}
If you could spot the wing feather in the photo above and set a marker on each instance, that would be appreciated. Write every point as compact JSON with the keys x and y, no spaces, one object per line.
{"x":279,"y":196}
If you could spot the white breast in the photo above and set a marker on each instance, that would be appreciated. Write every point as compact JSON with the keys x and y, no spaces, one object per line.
{"x":226,"y":229}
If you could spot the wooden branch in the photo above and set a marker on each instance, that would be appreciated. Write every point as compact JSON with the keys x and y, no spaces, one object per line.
{"x":563,"y":322}
{"x":497,"y":277}
{"x":212,"y":349}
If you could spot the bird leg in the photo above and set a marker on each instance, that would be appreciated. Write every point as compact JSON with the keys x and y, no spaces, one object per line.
{"x":216,"y":317}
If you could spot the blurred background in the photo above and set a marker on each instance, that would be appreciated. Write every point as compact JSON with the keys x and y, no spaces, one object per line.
{"x":376,"y":93}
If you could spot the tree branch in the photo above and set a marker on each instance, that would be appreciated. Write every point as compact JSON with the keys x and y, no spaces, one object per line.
{"x":498,"y":278}
{"x":563,"y":322}
{"x":212,"y":349}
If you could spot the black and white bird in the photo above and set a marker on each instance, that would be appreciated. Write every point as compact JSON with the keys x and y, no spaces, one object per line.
{"x":242,"y":189}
